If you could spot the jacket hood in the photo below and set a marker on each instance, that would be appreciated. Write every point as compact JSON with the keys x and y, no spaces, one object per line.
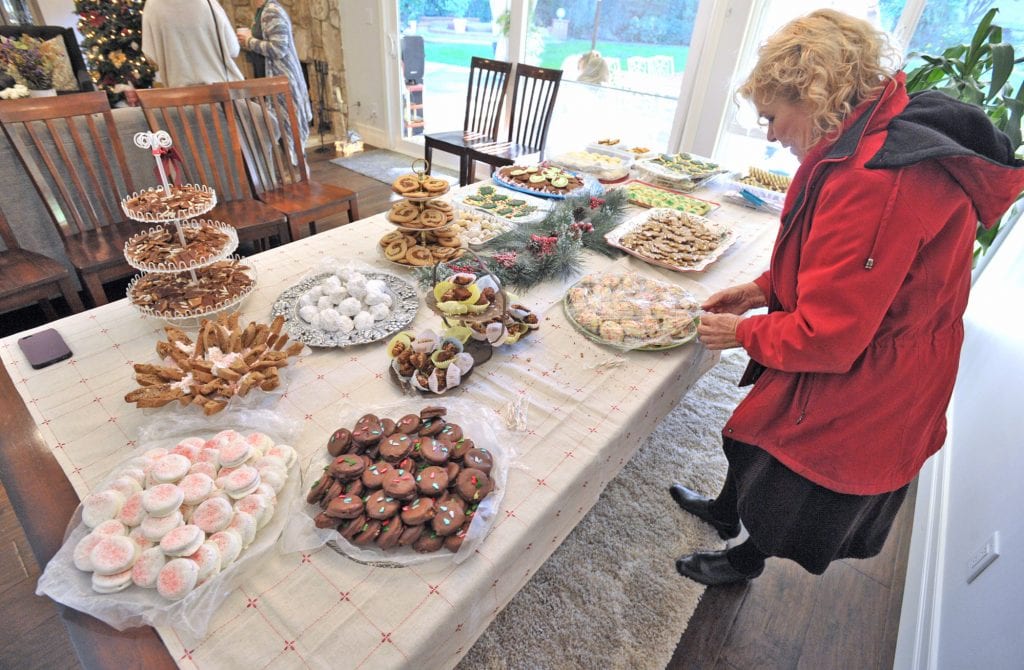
{"x":963,"y":140}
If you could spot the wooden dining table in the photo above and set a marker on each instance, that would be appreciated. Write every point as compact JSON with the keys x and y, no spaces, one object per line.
{"x":586,"y":409}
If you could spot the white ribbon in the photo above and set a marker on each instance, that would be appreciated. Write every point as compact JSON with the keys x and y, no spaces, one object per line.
{"x":156,"y":142}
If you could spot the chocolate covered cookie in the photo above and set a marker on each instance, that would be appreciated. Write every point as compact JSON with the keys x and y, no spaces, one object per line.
{"x":473,"y":485}
{"x":340,"y":442}
{"x":432,"y":481}
{"x":373,"y":476}
{"x":396,"y":447}
{"x":408,"y":424}
{"x":451,"y":514}
{"x":419,"y":511}
{"x":432,"y":451}
{"x":347,"y":467}
{"x":480,"y":459}
{"x":345,"y":507}
{"x":390,"y":532}
{"x":400,"y":484}
{"x":381,"y":506}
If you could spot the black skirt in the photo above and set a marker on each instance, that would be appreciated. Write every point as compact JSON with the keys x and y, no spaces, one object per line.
{"x":792,"y":517}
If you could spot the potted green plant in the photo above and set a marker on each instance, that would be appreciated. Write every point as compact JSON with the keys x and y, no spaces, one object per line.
{"x":978,"y":73}
{"x":31,"y":61}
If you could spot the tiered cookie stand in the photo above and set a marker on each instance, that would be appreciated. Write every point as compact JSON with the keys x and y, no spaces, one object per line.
{"x":187,"y":269}
{"x":424,"y":233}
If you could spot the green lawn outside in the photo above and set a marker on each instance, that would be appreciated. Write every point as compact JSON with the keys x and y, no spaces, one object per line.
{"x":555,"y":53}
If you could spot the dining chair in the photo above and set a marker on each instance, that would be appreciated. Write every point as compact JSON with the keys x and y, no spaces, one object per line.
{"x":27,"y":277}
{"x":275,"y":158}
{"x":203,"y":128}
{"x":485,"y":96}
{"x":534,"y":92}
{"x":70,"y":147}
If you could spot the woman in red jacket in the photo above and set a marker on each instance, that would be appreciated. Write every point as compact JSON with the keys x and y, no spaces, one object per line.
{"x":854,"y":362}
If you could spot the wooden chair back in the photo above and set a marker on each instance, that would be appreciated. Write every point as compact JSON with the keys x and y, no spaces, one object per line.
{"x":6,"y":234}
{"x":204,"y":130}
{"x":533,"y":103}
{"x":485,"y":96}
{"x":269,"y":132}
{"x":70,"y":147}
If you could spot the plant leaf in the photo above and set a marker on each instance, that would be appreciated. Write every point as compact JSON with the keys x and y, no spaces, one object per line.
{"x":1002,"y":68}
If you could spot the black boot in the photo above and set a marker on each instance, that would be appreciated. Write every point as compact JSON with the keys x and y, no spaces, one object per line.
{"x":700,"y":507}
{"x":712,"y":568}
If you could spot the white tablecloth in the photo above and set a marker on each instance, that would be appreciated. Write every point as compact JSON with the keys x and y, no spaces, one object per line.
{"x":588,"y":409}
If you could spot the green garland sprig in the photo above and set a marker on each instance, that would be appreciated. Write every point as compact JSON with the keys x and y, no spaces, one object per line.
{"x":530,"y":254}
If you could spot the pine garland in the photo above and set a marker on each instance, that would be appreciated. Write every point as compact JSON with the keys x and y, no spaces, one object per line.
{"x":112,"y":44}
{"x":530,"y":254}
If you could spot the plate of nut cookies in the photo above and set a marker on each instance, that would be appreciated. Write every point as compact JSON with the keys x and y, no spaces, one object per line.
{"x":403,"y":484}
{"x":672,"y":239}
{"x":226,"y":360}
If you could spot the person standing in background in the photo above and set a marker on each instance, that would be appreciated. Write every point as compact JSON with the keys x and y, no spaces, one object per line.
{"x":271,"y":37}
{"x":190,"y":41}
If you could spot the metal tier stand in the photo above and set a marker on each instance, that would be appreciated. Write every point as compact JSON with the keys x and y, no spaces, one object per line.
{"x":158,"y":142}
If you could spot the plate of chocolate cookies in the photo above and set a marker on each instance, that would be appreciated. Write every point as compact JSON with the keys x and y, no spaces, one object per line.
{"x":404,"y":484}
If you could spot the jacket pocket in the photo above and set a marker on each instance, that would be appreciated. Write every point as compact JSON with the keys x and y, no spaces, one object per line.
{"x":803,"y":395}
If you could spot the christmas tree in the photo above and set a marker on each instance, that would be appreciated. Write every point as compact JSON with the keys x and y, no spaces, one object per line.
{"x":113,"y":44}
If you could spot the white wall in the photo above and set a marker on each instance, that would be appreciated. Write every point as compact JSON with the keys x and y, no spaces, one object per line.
{"x":971,"y":490}
{"x":58,"y":12}
{"x":363,"y":35}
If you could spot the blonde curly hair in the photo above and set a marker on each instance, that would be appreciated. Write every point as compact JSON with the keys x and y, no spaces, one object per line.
{"x":828,"y":60}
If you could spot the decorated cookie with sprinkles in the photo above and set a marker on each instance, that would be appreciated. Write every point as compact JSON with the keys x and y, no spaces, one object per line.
{"x":460,"y":448}
{"x":400,"y":484}
{"x":479,"y":459}
{"x":432,"y":481}
{"x":347,"y":467}
{"x":340,"y":442}
{"x":451,"y":514}
{"x":473,"y":485}
{"x":450,"y":433}
{"x":345,"y":507}
{"x":408,"y":424}
{"x":432,"y":451}
{"x":419,"y":511}
{"x":381,"y":506}
{"x":390,"y":532}
{"x":396,"y":447}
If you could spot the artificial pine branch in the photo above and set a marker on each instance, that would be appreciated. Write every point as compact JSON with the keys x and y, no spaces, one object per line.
{"x":530,"y":254}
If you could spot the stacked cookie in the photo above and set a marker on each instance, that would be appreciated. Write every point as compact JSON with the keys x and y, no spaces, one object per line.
{"x":422,"y":249}
{"x":412,"y":482}
{"x":171,"y":520}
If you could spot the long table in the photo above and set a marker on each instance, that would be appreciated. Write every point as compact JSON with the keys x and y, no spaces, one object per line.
{"x":588,"y":408}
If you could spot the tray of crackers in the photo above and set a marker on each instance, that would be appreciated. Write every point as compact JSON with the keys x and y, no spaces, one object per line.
{"x":173,"y":247}
{"x":648,"y":195}
{"x":347,"y":307}
{"x":672,"y":239}
{"x":180,"y":296}
{"x":415,"y":215}
{"x":421,"y":248}
{"x":406,"y":483}
{"x":632,"y":312}
{"x":225,"y":360}
{"x":181,"y":201}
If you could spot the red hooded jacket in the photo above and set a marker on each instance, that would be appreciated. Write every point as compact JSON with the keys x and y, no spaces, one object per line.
{"x":867,"y":288}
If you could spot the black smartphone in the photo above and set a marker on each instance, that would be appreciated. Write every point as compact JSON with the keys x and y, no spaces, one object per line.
{"x":44,"y":348}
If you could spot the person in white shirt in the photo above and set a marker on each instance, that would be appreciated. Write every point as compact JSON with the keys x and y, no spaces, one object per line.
{"x":190,"y":41}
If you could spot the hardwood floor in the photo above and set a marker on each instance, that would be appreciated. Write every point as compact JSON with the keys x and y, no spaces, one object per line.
{"x":846,"y":618}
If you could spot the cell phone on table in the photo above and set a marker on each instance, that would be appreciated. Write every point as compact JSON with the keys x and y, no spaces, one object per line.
{"x":44,"y":348}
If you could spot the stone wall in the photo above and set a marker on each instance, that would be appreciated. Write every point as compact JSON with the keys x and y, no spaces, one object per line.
{"x":317,"y":28}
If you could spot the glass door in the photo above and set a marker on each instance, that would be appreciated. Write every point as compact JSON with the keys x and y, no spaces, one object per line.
{"x":622,"y":65}
{"x":437,"y":39}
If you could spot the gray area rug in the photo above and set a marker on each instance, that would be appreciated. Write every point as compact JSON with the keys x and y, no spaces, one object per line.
{"x":610,"y":596}
{"x":387,"y":166}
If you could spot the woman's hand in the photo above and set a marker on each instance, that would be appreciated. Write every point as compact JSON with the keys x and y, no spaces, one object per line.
{"x":718,"y":331}
{"x":735,"y":299}
{"x":243,"y":35}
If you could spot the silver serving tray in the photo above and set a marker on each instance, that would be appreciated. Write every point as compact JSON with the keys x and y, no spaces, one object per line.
{"x":405,"y":304}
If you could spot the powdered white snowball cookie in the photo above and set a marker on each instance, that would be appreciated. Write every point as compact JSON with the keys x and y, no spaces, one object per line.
{"x":324,"y":303}
{"x":356,"y":285}
{"x":346,"y":324}
{"x":315,"y":320}
{"x":377,"y":298}
{"x":307,"y":312}
{"x":350,"y":307}
{"x":376,"y":285}
{"x":380,"y":312}
{"x":344,"y":273}
{"x":336,"y":293}
{"x":363,"y":321}
{"x":330,"y":320}
{"x":307,"y":299}
{"x":331,"y":282}
{"x":315,"y":293}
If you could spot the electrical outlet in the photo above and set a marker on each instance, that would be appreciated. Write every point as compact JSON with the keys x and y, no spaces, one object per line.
{"x":373,"y":111}
{"x":983,"y":557}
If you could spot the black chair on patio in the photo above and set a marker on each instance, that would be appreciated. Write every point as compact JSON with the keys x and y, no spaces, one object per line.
{"x":533,"y":102}
{"x":484,"y":99}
